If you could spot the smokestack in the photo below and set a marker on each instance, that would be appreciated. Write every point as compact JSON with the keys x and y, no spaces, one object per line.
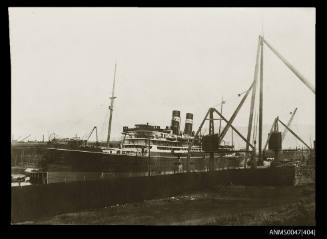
{"x":175,"y":122}
{"x":188,"y":124}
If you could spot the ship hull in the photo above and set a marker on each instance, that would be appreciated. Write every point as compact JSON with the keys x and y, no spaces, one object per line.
{"x":157,"y":163}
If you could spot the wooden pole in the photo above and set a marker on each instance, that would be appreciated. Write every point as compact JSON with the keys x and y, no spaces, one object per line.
{"x":233,"y":128}
{"x":229,"y":123}
{"x":298,"y":74}
{"x":253,"y":95}
{"x":294,"y":134}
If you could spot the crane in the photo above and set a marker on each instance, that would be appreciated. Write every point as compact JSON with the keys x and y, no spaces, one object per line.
{"x":25,"y":137}
{"x":271,"y":130}
{"x":262,"y":42}
{"x":96,"y":135}
{"x":285,"y":130}
{"x":289,"y":124}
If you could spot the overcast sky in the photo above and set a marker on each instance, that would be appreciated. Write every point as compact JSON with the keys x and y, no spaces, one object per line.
{"x":62,"y":65}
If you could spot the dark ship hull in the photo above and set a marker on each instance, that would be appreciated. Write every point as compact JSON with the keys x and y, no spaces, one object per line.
{"x":88,"y":161}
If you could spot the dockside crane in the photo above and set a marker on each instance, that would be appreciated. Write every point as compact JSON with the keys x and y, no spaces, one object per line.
{"x":25,"y":138}
{"x":223,"y":133}
{"x":274,"y":129}
{"x":90,"y":134}
{"x":269,"y":134}
{"x":289,"y":124}
{"x":285,"y":130}
{"x":262,"y":42}
{"x":275,"y":139}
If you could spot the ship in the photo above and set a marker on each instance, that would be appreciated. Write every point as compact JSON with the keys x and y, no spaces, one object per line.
{"x":144,"y":148}
{"x":151,"y":150}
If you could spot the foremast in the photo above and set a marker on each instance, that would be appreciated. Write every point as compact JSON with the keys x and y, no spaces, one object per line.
{"x":111,"y":107}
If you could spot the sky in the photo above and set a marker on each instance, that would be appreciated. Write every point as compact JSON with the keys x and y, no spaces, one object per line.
{"x":187,"y":59}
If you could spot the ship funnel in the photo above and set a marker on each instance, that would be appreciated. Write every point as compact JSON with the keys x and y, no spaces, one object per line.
{"x":175,"y":122}
{"x":188,"y":124}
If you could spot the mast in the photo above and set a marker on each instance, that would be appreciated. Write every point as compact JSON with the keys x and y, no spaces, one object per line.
{"x":111,"y":107}
{"x":253,"y":95}
{"x":261,"y":99}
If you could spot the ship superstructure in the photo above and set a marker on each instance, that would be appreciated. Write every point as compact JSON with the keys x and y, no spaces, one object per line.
{"x":143,"y":137}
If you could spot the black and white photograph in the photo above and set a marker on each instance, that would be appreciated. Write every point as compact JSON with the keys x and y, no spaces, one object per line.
{"x":163,"y":116}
